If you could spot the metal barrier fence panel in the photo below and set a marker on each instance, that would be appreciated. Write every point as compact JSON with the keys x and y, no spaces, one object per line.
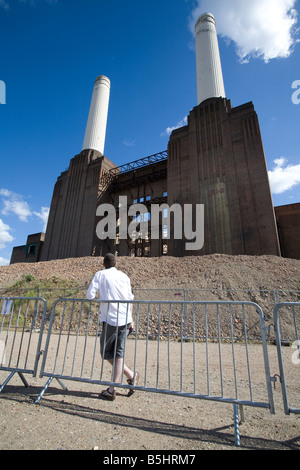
{"x":267,"y":299}
{"x":209,"y":356}
{"x":211,"y":350}
{"x":160,"y":294}
{"x":287,"y":325}
{"x":21,"y":319}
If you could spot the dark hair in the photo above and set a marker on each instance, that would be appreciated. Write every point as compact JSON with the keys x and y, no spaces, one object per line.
{"x":109,"y":261}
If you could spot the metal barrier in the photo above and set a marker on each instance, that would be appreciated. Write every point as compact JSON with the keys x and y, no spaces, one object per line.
{"x":209,"y":358}
{"x":197,"y":349}
{"x":287,"y":325}
{"x":21,"y":319}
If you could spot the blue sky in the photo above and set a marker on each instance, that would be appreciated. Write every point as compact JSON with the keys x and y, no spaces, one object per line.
{"x":51,"y":51}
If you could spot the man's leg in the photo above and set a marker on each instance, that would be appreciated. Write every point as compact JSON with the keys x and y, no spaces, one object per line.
{"x":108,"y":338}
{"x":119,"y":367}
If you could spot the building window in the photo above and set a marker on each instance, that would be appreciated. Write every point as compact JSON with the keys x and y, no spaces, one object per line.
{"x":31,"y":249}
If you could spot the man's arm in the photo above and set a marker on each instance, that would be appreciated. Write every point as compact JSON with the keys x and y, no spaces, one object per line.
{"x":130,"y":297}
{"x":93,"y":288}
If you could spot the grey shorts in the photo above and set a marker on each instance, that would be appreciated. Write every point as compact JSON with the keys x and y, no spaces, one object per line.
{"x":112,"y":340}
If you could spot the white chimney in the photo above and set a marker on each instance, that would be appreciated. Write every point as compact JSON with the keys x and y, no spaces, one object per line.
{"x":96,"y":126}
{"x":210,"y":82}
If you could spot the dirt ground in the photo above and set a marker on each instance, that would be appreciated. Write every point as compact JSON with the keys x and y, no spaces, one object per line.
{"x":79,"y":420}
{"x":197,"y":272}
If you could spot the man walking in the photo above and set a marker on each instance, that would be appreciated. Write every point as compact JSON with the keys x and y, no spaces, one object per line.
{"x":116,"y":319}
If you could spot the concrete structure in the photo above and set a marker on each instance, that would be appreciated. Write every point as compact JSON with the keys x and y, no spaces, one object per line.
{"x":144,"y":182}
{"x":288,"y":222}
{"x":94,"y":138}
{"x":210,"y":83}
{"x":31,"y":252}
{"x":71,"y":224}
{"x":216,"y":160}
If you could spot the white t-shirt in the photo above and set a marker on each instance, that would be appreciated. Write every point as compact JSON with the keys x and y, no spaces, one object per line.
{"x":112,"y":284}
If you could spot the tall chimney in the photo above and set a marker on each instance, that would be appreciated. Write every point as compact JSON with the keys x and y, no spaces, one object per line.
{"x":96,"y":126}
{"x":210,"y":82}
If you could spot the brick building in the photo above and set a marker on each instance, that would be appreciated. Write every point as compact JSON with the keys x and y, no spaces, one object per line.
{"x":217,"y":160}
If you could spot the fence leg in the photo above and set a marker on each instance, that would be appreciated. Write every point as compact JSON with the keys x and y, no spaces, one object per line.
{"x":43,"y":391}
{"x":236,"y":425}
{"x":47,"y":385}
{"x":23,"y":379}
{"x":242,"y":413}
{"x":61,"y":384}
{"x":7,"y":380}
{"x":10,"y":377}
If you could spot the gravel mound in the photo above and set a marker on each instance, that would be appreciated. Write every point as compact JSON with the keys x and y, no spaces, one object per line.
{"x":199,"y":272}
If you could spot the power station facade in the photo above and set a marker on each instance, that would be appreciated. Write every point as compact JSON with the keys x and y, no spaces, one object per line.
{"x":217,"y":161}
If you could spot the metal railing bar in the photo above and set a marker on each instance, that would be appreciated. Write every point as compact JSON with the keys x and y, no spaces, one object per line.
{"x":33,"y":322}
{"x":68,"y":337}
{"x":136,"y":340}
{"x":194,"y":349}
{"x":77,"y":336}
{"x":247,"y":353}
{"x":158,"y":345}
{"x":86,"y":337}
{"x":147,"y":339}
{"x":15,"y":332}
{"x":96,"y":340}
{"x":233,"y":353}
{"x":220,"y":351}
{"x":181,"y":347}
{"x":59,"y":338}
{"x":22,"y":336}
{"x":169,"y":354}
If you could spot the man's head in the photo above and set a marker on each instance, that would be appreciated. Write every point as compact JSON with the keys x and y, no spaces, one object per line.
{"x":109,"y":261}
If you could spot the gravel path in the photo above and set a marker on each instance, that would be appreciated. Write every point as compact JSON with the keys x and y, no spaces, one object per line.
{"x":78,"y":419}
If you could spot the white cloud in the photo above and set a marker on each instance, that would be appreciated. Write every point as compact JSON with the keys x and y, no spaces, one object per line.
{"x":283,"y":177}
{"x":169,"y":130}
{"x":129,"y":143}
{"x":265,"y":29}
{"x":19,"y":208}
{"x":6,"y":5}
{"x":43,"y":215}
{"x":33,"y":2}
{"x":14,"y":204}
{"x":4,"y":261}
{"x":5,"y":236}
